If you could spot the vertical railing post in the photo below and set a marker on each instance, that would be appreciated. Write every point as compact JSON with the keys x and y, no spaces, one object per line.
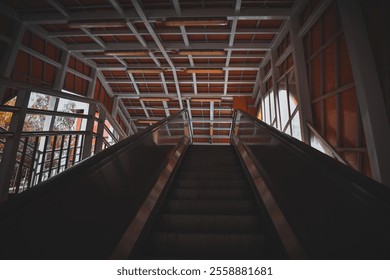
{"x":100,"y":130}
{"x":275,"y":88}
{"x":11,"y":146}
{"x":87,"y":149}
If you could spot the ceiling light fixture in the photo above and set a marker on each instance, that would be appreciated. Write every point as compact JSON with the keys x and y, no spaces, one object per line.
{"x":144,"y":70}
{"x":205,"y":71}
{"x":125,"y":53}
{"x":101,"y":24}
{"x":196,"y":22}
{"x":205,"y":100}
{"x":151,"y":99}
{"x":201,"y":52}
{"x":147,"y":121}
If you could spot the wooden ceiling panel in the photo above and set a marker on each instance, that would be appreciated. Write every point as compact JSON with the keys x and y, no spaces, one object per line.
{"x":83,"y":39}
{"x":175,"y":38}
{"x":247,"y":23}
{"x":181,"y":60}
{"x":196,"y":37}
{"x":215,"y":37}
{"x":270,"y":23}
{"x":264,"y":37}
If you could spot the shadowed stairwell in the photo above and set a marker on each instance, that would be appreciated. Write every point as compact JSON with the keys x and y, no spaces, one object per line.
{"x":210,"y":212}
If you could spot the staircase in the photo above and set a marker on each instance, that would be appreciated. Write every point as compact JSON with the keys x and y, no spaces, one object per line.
{"x":209,"y":212}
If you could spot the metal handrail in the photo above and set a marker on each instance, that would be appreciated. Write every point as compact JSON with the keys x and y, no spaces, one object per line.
{"x":364,"y":185}
{"x":131,"y":180}
{"x":328,"y":146}
{"x":112,"y":152}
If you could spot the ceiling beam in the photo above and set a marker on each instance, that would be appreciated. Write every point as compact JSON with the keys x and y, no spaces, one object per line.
{"x":160,"y":46}
{"x":232,"y":67}
{"x":59,"y":7}
{"x":166,"y":108}
{"x":182,"y":28}
{"x":189,"y":31}
{"x":117,"y":7}
{"x":144,"y":108}
{"x":170,"y":46}
{"x":194,"y":120}
{"x":174,"y":96}
{"x":177,"y":108}
{"x":93,"y":37}
{"x":158,"y":82}
{"x":242,"y":56}
{"x":252,"y":13}
{"x":133,"y":83}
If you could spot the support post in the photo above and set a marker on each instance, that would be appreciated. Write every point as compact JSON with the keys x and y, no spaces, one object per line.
{"x":87,"y":149}
{"x":369,"y":92}
{"x":275,"y":77}
{"x":8,"y":159}
{"x":92,"y":84}
{"x":61,"y":74}
{"x":100,"y":131}
{"x":115,"y":107}
{"x":302,"y":84}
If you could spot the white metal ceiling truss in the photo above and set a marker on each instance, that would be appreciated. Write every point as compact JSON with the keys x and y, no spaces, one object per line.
{"x":190,"y":62}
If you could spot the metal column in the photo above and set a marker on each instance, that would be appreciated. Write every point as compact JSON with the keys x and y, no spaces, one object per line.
{"x":368,"y":89}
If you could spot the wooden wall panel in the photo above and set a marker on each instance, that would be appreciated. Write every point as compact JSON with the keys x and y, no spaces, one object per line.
{"x":349,"y":117}
{"x":331,"y":120}
{"x":101,"y":95}
{"x":315,"y":80}
{"x":329,"y":68}
{"x":75,"y":83}
{"x":244,"y":103}
{"x":33,"y":69}
{"x":317,"y":114}
{"x":344,"y":63}
{"x":120,"y":122}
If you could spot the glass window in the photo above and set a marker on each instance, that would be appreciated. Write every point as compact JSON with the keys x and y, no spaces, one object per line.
{"x":288,"y":130}
{"x":267,"y":111}
{"x":293,"y":103}
{"x":296,"y":127}
{"x":272,"y":107}
{"x":283,"y":108}
{"x":315,"y":143}
{"x":263,"y":116}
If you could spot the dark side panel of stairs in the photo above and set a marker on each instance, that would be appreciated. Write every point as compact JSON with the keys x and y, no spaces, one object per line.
{"x":210,"y":212}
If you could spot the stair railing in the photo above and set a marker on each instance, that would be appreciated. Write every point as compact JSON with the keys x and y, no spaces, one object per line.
{"x":47,"y":132}
{"x":310,"y":192}
{"x":97,"y":208}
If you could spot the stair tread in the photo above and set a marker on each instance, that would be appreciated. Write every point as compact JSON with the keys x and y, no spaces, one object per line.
{"x":210,"y":193}
{"x":209,"y":206}
{"x":212,"y":168}
{"x":209,"y":212}
{"x":211,"y":183}
{"x":209,"y":223}
{"x":196,"y":175}
{"x":206,"y":246}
